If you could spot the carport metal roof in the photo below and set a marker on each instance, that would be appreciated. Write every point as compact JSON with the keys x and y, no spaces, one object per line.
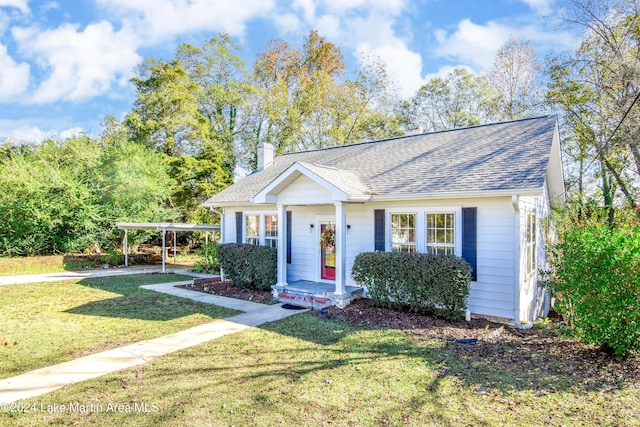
{"x":163,"y":227}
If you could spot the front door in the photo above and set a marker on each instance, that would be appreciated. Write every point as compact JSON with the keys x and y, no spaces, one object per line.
{"x":327,"y":252}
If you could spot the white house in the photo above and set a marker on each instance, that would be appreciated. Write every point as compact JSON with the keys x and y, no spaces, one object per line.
{"x":481,"y":192}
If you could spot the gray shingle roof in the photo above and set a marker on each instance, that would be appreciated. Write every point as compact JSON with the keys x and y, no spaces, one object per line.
{"x":501,"y":156}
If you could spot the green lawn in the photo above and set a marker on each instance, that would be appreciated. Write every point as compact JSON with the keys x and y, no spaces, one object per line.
{"x":46,"y":323}
{"x":309,"y":371}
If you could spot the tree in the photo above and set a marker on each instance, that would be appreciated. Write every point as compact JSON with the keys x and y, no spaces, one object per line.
{"x":62,"y":197}
{"x":598,"y":88}
{"x":513,"y":74}
{"x":224,"y":89}
{"x":304,"y":100}
{"x":459,"y":99}
{"x":165,"y":114}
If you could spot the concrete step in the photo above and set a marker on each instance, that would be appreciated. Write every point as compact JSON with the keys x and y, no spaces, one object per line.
{"x":315,"y":302}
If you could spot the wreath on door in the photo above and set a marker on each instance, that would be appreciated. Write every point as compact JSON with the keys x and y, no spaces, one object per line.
{"x":328,"y":237}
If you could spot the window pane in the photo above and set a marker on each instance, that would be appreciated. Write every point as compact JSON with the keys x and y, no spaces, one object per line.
{"x":252,"y":225}
{"x":448,"y":236}
{"x":441,"y":233}
{"x":270,"y":226}
{"x":403,"y":233}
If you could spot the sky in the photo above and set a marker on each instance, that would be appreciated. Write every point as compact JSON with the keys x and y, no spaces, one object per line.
{"x":66,"y":65}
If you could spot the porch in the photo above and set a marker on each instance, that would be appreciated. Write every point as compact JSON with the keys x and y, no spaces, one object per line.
{"x":315,"y":295}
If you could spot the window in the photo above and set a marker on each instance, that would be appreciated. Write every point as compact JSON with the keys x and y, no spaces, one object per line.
{"x":403,"y":232}
{"x":252,"y":229}
{"x":271,"y":231}
{"x":441,"y":233}
{"x":530,"y":244}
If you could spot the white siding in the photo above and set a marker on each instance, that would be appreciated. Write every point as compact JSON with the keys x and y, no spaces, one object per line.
{"x":304,"y":191}
{"x":534,"y":300}
{"x":493,"y":294}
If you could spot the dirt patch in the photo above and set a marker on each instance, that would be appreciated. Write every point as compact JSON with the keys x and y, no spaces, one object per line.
{"x":226,"y":289}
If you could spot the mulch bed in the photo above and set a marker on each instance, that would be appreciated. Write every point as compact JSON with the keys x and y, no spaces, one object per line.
{"x":226,"y":289}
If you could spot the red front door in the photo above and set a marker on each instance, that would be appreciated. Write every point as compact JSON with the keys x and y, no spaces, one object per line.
{"x":327,"y":252}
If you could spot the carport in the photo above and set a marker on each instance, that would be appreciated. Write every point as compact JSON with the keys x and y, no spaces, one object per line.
{"x":162,"y":227}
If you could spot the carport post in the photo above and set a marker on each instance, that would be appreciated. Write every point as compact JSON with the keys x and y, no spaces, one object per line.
{"x":164,"y":234}
{"x":126,"y":249}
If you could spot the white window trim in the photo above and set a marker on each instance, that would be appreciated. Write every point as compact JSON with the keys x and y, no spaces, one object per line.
{"x":261,"y":224}
{"x":401,"y":212}
{"x":421,"y":225}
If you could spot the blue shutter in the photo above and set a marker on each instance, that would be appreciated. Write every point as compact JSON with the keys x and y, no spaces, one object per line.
{"x":239,"y":227}
{"x":470,"y":239}
{"x":379,"y":244}
{"x":288,"y":237}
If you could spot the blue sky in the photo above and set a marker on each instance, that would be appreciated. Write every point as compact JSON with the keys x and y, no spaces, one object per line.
{"x":65,"y":65}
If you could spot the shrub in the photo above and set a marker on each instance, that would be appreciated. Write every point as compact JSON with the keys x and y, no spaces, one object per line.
{"x":209,"y":262}
{"x":249,"y":265}
{"x":424,"y":283}
{"x":594,"y":277}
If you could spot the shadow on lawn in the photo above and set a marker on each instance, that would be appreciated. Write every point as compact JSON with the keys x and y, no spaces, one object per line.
{"x":537,"y":360}
{"x":135,"y":303}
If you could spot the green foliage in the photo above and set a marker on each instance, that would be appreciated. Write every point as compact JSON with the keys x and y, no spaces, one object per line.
{"x":249,"y":265}
{"x":209,"y":262}
{"x":66,"y":197}
{"x":594,"y":277}
{"x":423,"y":283}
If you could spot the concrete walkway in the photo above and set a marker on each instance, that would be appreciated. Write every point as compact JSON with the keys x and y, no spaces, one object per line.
{"x":83,"y":274}
{"x":40,"y":381}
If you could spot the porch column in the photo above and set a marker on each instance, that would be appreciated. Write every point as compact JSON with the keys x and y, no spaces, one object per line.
{"x":282,"y":245}
{"x":341,"y":246}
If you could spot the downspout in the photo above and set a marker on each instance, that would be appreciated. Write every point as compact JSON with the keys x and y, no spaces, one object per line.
{"x":515,"y":203}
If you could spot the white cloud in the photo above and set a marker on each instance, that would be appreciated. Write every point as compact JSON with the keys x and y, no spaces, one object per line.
{"x":31,"y":130}
{"x":542,"y":7}
{"x":472,"y":43}
{"x":14,"y":77}
{"x":22,"y":5}
{"x":288,"y":23}
{"x":476,"y":45}
{"x":160,"y":20}
{"x":69,"y":133}
{"x":81,"y":64}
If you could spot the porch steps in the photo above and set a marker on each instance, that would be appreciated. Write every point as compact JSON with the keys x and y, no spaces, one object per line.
{"x":304,"y":299}
{"x":315,"y":295}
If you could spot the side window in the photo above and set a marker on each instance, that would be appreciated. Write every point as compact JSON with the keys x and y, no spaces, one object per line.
{"x":271,"y":230}
{"x":252,"y":229}
{"x":530,"y":243}
{"x":403,"y":232}
{"x":441,"y":233}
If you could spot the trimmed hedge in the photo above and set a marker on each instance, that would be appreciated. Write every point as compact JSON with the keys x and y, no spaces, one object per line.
{"x":423,"y":283}
{"x":249,"y":266}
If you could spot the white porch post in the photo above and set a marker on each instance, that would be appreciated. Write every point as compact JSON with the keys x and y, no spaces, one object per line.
{"x":282,"y":245}
{"x":341,"y":246}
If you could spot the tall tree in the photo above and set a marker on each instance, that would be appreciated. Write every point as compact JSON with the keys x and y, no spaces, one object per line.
{"x":514,"y":74}
{"x":459,"y":99}
{"x":165,"y":114}
{"x":598,"y":87}
{"x":224,"y":88}
{"x":305,"y":101}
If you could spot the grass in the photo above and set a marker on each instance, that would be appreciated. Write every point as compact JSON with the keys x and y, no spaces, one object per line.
{"x":60,"y":263}
{"x":47,"y":323}
{"x":304,"y":370}
{"x":35,"y":265}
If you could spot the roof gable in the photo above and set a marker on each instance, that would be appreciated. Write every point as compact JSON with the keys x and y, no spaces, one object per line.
{"x":502,"y":157}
